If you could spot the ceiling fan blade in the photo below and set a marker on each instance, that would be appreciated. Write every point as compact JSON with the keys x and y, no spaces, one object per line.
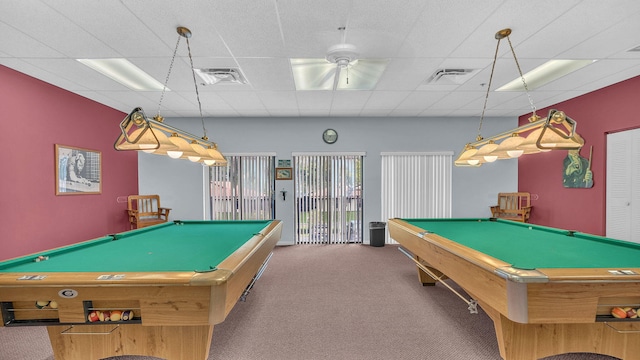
{"x":319,"y":74}
{"x":313,"y":74}
{"x":336,"y":77}
{"x":361,"y":75}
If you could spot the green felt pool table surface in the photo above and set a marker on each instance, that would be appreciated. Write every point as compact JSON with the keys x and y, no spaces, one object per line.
{"x":181,"y":246}
{"x":528,"y":246}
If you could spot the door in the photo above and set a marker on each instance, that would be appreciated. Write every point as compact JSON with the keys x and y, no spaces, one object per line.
{"x":328,"y":190}
{"x":623,"y":186}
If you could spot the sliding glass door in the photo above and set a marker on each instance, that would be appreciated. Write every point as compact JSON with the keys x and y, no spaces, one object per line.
{"x":328,"y":190}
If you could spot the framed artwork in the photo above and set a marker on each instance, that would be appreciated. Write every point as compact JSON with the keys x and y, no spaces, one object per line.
{"x":576,"y":170}
{"x":78,"y":171}
{"x":284,"y":173}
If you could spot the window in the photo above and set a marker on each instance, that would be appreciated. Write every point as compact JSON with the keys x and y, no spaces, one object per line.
{"x":244,"y":189}
{"x":416,"y":185}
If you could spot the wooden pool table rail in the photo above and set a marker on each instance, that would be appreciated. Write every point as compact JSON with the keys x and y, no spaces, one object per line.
{"x":174,"y":312}
{"x":532,"y":320}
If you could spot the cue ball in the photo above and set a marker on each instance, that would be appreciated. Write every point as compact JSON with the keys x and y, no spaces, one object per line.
{"x":530,"y":228}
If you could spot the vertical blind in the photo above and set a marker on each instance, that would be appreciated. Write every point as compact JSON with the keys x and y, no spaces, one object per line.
{"x":244,"y":189}
{"x":328,"y":192}
{"x":416,"y":185}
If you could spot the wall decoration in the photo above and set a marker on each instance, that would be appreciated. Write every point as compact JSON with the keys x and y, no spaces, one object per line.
{"x":577,"y":170}
{"x":284,"y":173}
{"x":78,"y":171}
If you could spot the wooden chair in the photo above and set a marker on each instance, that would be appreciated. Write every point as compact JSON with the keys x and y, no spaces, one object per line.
{"x":514,"y":206}
{"x":145,"y":210}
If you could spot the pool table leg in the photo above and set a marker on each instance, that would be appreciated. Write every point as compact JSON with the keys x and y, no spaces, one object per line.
{"x":426,"y":279}
{"x":93,"y":342}
{"x":518,"y":341}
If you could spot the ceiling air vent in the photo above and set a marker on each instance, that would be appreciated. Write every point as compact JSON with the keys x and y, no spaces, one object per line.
{"x":221,"y":76}
{"x":451,"y":76}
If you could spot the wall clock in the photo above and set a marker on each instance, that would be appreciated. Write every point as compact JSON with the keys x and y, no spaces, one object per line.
{"x":330,"y":136}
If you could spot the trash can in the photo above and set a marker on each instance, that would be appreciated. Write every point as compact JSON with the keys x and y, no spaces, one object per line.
{"x":376,"y":233}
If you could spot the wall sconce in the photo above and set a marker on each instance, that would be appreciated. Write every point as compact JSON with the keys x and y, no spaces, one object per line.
{"x":556,"y":132}
{"x":139,"y":132}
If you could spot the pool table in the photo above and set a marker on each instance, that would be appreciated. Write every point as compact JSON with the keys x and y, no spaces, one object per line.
{"x":548,"y":291}
{"x":166,"y":286}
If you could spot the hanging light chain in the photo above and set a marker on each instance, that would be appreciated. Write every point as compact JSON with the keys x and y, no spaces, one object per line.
{"x":524,"y":83}
{"x":486,"y":98}
{"x":166,"y":81}
{"x":195,"y":84}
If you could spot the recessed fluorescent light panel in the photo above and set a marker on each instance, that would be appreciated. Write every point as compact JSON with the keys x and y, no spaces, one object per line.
{"x":124,"y":72}
{"x":545,"y":73}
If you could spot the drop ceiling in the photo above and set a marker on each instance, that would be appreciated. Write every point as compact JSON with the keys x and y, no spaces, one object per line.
{"x":43,"y":39}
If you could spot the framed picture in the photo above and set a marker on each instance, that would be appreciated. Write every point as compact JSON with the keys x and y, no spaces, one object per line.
{"x":283,"y":173}
{"x":78,"y":171}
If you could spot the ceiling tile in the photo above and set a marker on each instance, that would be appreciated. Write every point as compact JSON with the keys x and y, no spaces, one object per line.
{"x":43,"y":39}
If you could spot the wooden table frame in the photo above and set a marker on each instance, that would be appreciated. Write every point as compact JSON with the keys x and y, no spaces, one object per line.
{"x":174,"y":312}
{"x":555,"y":313}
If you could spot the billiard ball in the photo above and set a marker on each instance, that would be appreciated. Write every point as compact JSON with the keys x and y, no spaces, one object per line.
{"x":93,"y":316}
{"x":104,"y":315}
{"x":618,"y":312}
{"x":127,"y":315}
{"x":116,"y":315}
{"x":53,"y":304}
{"x":41,"y":304}
{"x":631,"y":313}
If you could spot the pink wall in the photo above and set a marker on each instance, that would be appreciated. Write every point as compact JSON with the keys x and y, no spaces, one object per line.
{"x":34,"y":116}
{"x":608,"y":110}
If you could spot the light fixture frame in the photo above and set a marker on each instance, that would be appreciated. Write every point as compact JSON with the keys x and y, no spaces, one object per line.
{"x":136,"y":122}
{"x":551,"y":126}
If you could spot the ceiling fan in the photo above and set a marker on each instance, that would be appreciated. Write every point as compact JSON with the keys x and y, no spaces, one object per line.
{"x":341,"y":69}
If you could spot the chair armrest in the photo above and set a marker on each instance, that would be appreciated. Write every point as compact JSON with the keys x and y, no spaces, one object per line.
{"x":133,"y":215}
{"x":495,"y":210}
{"x":164,"y":212}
